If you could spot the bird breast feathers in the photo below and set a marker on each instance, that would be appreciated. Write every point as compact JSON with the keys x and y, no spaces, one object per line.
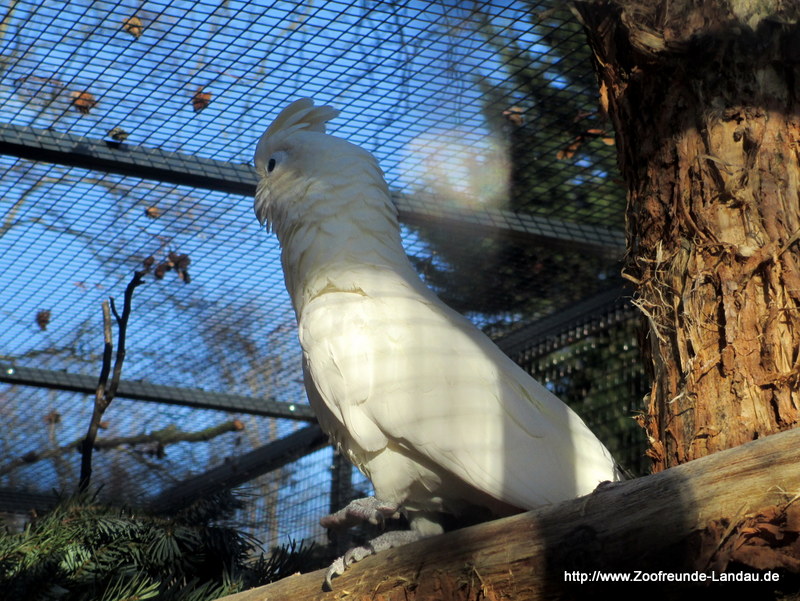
{"x":404,"y":369}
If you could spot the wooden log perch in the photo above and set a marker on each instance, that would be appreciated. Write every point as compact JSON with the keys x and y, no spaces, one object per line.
{"x":729,"y":511}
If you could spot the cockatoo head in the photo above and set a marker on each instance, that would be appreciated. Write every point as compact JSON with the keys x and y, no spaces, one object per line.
{"x":295,"y":159}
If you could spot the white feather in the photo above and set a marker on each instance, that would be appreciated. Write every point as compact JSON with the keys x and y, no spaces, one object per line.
{"x":420,"y":400}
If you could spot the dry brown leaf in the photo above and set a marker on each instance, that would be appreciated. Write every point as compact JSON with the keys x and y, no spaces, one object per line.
{"x":161,"y":269}
{"x":133,"y":25}
{"x":514,"y":114}
{"x":83,"y":101}
{"x":767,"y":539}
{"x":43,"y":318}
{"x":569,"y":151}
{"x":179,"y":261}
{"x":118,"y":134}
{"x":200,"y":100}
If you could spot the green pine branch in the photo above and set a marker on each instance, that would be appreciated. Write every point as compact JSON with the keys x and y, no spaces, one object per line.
{"x":85,"y":551}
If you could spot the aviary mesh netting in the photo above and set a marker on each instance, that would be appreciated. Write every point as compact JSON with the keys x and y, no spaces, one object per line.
{"x":476,"y":108}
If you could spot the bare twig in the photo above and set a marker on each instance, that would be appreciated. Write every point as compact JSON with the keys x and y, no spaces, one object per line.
{"x":122,"y":325}
{"x":168,"y":435}
{"x":106,"y":391}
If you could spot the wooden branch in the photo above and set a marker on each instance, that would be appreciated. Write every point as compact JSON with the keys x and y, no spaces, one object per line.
{"x":108,"y":350}
{"x":122,"y":329}
{"x":100,"y":404}
{"x":169,"y":435}
{"x":106,"y":391}
{"x":682,"y":520}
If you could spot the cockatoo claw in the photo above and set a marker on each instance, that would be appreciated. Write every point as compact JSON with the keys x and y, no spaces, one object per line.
{"x":385,"y":541}
{"x":341,"y":564}
{"x":337,"y":569}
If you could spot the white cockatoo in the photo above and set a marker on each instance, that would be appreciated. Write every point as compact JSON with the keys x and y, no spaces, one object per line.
{"x":417,"y":397}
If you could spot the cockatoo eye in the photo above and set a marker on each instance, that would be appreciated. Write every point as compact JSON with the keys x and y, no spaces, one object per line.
{"x":275,"y":160}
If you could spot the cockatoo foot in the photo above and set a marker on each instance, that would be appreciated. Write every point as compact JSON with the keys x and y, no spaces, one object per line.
{"x":368,"y":509}
{"x":377,"y":544}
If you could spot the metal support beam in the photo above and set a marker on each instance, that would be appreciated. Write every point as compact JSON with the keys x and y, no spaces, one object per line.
{"x":143,"y":391}
{"x":23,"y":501}
{"x":188,"y":170}
{"x":135,"y":161}
{"x":533,"y":334}
{"x":524,"y":228}
{"x":243,"y":468}
{"x":236,"y":471}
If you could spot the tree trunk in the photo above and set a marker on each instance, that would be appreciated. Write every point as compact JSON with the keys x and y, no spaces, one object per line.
{"x":704,"y":97}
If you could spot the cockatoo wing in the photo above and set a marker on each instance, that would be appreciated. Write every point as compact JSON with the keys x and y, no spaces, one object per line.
{"x":399,"y":367}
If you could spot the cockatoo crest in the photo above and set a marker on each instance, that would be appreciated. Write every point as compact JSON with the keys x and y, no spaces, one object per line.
{"x":300,"y":115}
{"x":298,"y":164}
{"x":316,"y":189}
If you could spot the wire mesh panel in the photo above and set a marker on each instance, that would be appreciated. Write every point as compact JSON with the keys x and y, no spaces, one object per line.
{"x":592,"y":362}
{"x":440,"y":91}
{"x":143,"y":447}
{"x":286,"y":505}
{"x":469,"y":106}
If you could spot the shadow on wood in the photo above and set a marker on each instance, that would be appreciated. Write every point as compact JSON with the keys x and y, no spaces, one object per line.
{"x":690,"y":519}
